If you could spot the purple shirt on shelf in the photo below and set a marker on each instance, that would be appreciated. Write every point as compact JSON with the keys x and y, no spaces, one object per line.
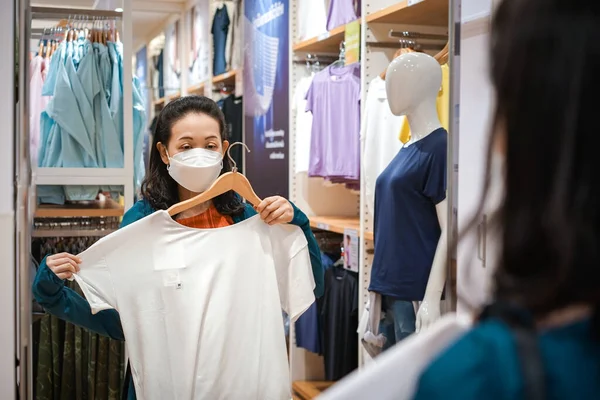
{"x":334,"y":100}
{"x":341,"y":12}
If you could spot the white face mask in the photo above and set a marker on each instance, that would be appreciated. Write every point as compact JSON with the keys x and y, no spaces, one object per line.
{"x":195,"y":169}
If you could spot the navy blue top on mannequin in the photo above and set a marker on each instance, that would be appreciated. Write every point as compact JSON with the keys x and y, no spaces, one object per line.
{"x":407,"y":230}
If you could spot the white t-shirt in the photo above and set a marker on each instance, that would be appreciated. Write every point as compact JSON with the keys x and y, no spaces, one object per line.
{"x":312,"y":19}
{"x":303,"y":125}
{"x":379,"y":132}
{"x":394,"y":374}
{"x":201,"y":308}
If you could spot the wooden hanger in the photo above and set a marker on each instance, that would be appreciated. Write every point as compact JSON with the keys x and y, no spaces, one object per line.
{"x":397,"y":54}
{"x":228,"y":181}
{"x":442,"y":56}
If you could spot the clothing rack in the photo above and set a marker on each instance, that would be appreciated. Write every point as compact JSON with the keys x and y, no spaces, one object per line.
{"x":91,"y":176}
{"x":315,"y":58}
{"x":28,"y":177}
{"x":413,"y":44}
{"x":75,"y":227}
{"x":409,"y":39}
{"x":52,"y":13}
{"x":416,"y":35}
{"x":55,"y":33}
{"x":71,"y":233}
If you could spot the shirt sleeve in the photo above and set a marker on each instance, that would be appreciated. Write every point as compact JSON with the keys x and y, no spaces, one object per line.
{"x":435,"y":178}
{"x":310,"y":98}
{"x":293,"y":268}
{"x":94,"y":277}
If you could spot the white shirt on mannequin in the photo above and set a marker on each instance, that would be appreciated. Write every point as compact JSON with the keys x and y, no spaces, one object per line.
{"x":379,"y":133}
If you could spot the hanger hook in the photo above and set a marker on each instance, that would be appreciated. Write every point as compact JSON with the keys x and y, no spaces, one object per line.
{"x":234,"y":168}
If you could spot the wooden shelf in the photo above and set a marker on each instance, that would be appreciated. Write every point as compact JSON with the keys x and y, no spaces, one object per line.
{"x":427,"y":12}
{"x":228,"y":78}
{"x":307,"y":390}
{"x":43,"y":233}
{"x":338,"y":225}
{"x":328,"y":42}
{"x":105,"y":208}
{"x":163,"y":100}
{"x":159,"y":102}
{"x":197,"y":89}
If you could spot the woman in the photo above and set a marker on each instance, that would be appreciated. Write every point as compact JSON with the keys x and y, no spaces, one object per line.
{"x":540,"y":339}
{"x":188,"y":154}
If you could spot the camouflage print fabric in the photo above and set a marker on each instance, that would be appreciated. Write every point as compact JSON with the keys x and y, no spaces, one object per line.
{"x":73,"y":363}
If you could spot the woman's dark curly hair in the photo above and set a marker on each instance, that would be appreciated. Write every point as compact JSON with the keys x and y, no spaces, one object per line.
{"x":158,"y":188}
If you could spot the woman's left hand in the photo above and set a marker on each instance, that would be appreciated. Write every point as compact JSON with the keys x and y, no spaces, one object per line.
{"x":276,"y":210}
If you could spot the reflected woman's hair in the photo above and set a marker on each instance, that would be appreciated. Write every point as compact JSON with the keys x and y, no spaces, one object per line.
{"x":545,"y":73}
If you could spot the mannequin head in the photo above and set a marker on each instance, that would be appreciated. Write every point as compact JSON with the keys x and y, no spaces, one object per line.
{"x":411,"y":80}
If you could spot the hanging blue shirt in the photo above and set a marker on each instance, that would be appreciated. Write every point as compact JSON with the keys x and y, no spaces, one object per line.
{"x":139,"y":127}
{"x":220,"y":28}
{"x":87,"y":76}
{"x":407,"y":230}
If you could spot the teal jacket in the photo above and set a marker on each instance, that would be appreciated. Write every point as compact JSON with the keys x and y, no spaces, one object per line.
{"x":64,"y":303}
{"x":484,"y":365}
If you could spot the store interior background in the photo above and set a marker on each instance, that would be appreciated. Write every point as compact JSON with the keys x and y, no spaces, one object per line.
{"x":334,"y":209}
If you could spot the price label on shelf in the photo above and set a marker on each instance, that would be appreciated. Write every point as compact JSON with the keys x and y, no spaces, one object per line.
{"x":352,"y":42}
{"x":351,"y":248}
{"x":322,"y":226}
{"x":413,"y":2}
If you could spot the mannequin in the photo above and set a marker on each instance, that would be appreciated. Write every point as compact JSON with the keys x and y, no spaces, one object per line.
{"x":411,"y":264}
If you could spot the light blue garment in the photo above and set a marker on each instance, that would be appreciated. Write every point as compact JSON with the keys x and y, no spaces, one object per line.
{"x":55,"y":61}
{"x":82,"y":126}
{"x":116,"y":91}
{"x":113,"y":147}
{"x":68,"y":111}
{"x":84,"y":83}
{"x":139,"y":127}
{"x":50,"y":136}
{"x":104,"y":68}
{"x":78,"y":132}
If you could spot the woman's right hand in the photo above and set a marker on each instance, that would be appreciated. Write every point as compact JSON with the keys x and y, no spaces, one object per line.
{"x":64,"y":265}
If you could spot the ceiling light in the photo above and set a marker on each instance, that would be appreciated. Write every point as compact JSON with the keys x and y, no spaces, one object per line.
{"x":119,"y":9}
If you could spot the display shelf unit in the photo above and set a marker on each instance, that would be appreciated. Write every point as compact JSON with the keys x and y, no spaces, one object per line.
{"x":159,"y":102}
{"x":338,"y":225}
{"x":334,"y":208}
{"x":328,"y":42}
{"x":426,"y":12}
{"x":331,"y":208}
{"x":228,"y":78}
{"x":163,"y":101}
{"x":81,"y":176}
{"x":207,"y":85}
{"x":98,"y":208}
{"x":97,"y":176}
{"x":307,"y":390}
{"x":197,"y":89}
